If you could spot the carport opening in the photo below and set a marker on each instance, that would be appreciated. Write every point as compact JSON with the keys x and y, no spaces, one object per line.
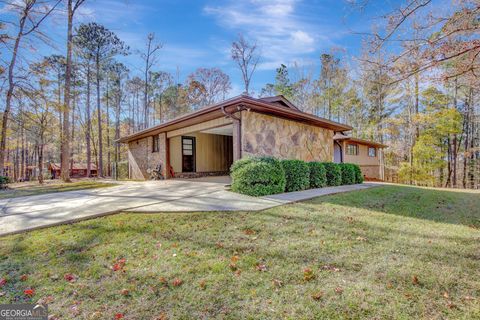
{"x":202,"y":153}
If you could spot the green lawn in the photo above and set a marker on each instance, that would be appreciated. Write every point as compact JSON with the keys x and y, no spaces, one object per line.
{"x":384,"y":253}
{"x":34,"y":188}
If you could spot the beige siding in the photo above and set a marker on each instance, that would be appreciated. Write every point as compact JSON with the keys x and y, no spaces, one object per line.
{"x":219,"y":122}
{"x":286,"y":139}
{"x":213,"y":152}
{"x":370,"y":165}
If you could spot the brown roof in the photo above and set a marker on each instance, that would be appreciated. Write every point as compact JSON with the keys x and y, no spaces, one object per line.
{"x":278,"y":106}
{"x":361,"y":141}
{"x":76,"y":166}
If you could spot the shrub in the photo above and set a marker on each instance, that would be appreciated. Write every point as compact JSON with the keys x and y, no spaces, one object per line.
{"x":333,"y":173}
{"x":297,"y":175}
{"x":318,"y":175}
{"x":348,"y":173}
{"x":358,"y":173}
{"x":244,"y":161}
{"x":257,"y":177}
{"x":4,"y":180}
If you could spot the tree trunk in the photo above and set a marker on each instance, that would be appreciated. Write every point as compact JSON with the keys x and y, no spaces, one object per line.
{"x":99,"y":118}
{"x":89,"y":125}
{"x":65,"y":165}
{"x":11,"y":87}
{"x":109,"y":172}
{"x":40,"y":161}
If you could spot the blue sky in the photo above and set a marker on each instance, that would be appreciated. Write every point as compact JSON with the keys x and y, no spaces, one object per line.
{"x":199,"y":33}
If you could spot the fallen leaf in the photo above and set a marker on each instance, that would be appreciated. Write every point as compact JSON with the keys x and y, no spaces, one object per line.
{"x":338,"y":290}
{"x":3,"y":282}
{"x":177,"y":282}
{"x":468,"y":298}
{"x":24,"y":277}
{"x":261,"y":267}
{"x":415,"y":280}
{"x":317,"y":296}
{"x":70,"y":277}
{"x":119,"y":316}
{"x":451,"y":305}
{"x":248,"y":231}
{"x":29,"y":292}
{"x":308,"y":274}
{"x":203,"y":284}
{"x":124,"y":292}
{"x":277,"y":283}
{"x":330,"y":268}
{"x":445,"y":295}
{"x":234,"y":259}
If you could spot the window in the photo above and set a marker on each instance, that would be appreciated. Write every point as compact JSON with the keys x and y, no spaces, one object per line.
{"x":372,"y":152}
{"x":156,"y":143}
{"x":352,"y":149}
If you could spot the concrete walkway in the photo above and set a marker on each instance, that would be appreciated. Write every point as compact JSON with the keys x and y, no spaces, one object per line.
{"x":27,"y":213}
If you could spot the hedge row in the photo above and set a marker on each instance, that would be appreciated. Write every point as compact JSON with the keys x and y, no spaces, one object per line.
{"x":260,"y":176}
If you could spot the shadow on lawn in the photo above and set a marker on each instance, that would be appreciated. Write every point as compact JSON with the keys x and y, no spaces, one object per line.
{"x":455,"y":207}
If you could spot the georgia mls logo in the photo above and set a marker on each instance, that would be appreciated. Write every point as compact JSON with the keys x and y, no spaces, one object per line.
{"x":23,"y":312}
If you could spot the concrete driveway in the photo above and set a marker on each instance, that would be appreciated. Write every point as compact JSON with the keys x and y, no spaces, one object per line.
{"x":206,"y":194}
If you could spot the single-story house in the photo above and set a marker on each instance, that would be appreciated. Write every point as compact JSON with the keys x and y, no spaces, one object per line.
{"x":208,"y":141}
{"x":78,"y":170}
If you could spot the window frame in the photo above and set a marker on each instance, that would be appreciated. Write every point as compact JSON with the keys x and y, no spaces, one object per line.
{"x":357,"y":149}
{"x":155,"y":143}
{"x":374,"y":152}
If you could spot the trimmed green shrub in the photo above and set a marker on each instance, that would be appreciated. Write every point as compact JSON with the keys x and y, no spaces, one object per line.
{"x":244,"y":161}
{"x":333,"y":173}
{"x":257,"y":177}
{"x":318,"y":175}
{"x":358,"y":173}
{"x":348,"y":173}
{"x":297,"y":175}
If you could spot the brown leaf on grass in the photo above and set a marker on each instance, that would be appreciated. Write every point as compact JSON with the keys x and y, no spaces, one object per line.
{"x":318,"y":295}
{"x":177,"y":282}
{"x":70,"y":277}
{"x":415,"y":280}
{"x":445,"y":295}
{"x":163,"y":280}
{"x":451,"y":305}
{"x":308,"y":274}
{"x":162,"y":316}
{"x":124,"y":292}
{"x":330,"y":268}
{"x":24,"y":277}
{"x":361,"y":238}
{"x":261,"y":267}
{"x":219,"y":245}
{"x":238,"y":272}
{"x":248,"y":232}
{"x":338,"y":290}
{"x":233,"y":266}
{"x":45,"y":300}
{"x":203,"y":284}
{"x":234,"y":259}
{"x":277,"y":283}
{"x":389,"y":285}
{"x":3,"y":282}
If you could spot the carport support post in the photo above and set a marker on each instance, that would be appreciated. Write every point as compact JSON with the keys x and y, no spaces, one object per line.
{"x":237,"y":140}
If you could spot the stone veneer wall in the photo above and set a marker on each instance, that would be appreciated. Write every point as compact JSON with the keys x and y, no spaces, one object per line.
{"x":141,"y":158}
{"x":285,"y":139}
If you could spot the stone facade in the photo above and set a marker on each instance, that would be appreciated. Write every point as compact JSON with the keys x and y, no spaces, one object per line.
{"x":142,"y":159}
{"x":286,"y":139}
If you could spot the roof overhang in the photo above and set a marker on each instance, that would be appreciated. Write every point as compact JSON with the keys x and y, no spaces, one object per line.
{"x":359,"y":141}
{"x":232,"y":106}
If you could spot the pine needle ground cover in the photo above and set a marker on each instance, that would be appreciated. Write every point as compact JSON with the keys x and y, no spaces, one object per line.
{"x":390,"y":252}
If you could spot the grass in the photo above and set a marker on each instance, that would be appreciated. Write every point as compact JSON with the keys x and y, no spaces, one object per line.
{"x":383,"y":253}
{"x":34,"y":188}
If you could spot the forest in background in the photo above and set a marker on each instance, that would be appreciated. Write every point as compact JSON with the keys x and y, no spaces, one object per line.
{"x":414,"y":87}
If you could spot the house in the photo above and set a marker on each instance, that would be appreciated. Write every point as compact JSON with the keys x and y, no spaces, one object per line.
{"x":207,"y":141}
{"x":367,"y":154}
{"x":77,"y":170}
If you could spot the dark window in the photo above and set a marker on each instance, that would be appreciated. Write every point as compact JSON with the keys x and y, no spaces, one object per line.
{"x":156,"y":143}
{"x":352,"y":149}
{"x":188,"y":154}
{"x":372,"y":152}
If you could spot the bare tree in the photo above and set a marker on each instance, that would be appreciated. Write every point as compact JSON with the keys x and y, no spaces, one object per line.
{"x":30,"y":16}
{"x":72,"y":6}
{"x":213,"y":84}
{"x":246,"y":55}
{"x":150,"y":59}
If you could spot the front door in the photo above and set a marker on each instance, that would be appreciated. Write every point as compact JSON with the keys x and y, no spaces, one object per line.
{"x":188,"y":154}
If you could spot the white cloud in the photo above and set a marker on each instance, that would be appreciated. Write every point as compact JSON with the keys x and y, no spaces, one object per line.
{"x":283,"y":34}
